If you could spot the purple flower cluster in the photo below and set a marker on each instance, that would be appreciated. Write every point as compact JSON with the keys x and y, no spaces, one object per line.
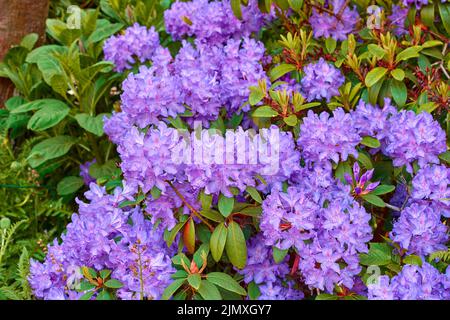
{"x":419,"y":230}
{"x":325,"y":138}
{"x":327,"y":227}
{"x":268,"y":275}
{"x":414,"y":137}
{"x":136,"y":44}
{"x":101,"y":237}
{"x":321,"y":80}
{"x":163,"y":154}
{"x":433,"y":183}
{"x":212,"y":22}
{"x":398,"y":19}
{"x":202,"y":78}
{"x":412,"y":283}
{"x":337,"y":25}
{"x":405,"y":136}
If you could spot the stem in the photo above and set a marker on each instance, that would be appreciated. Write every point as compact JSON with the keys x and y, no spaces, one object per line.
{"x":195,"y":212}
{"x":392,"y":207}
{"x":95,"y":148}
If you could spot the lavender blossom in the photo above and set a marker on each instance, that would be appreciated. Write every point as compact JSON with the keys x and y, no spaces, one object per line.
{"x":337,"y":25}
{"x":321,"y":80}
{"x":137,"y":44}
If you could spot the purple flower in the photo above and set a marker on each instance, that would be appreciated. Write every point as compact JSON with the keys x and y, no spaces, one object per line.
{"x":212,"y":22}
{"x":324,"y":138}
{"x":137,"y":44}
{"x":338,"y":25}
{"x":433,"y":183}
{"x":412,"y":283}
{"x":419,"y":230}
{"x":84,"y":172}
{"x":321,"y":80}
{"x":398,"y":19}
{"x":359,"y":184}
{"x":413,"y":137}
{"x":101,"y":237}
{"x":417,"y":3}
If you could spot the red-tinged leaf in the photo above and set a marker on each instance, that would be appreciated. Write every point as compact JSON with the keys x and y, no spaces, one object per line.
{"x":189,"y":236}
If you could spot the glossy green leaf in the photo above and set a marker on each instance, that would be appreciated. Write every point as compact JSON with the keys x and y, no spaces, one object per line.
{"x":235,"y":246}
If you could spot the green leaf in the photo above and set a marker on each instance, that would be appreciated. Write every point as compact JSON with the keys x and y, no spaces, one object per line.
{"x":103,"y":295}
{"x":213,"y":215}
{"x":256,"y":95}
{"x":376,"y":50}
{"x":264,"y":112}
{"x":194,"y":280}
{"x":444,"y":11}
{"x":104,"y":30}
{"x":281,"y":70}
{"x":398,"y":74}
{"x":29,"y":41}
{"x":365,"y":160}
{"x":375,"y":75}
{"x":253,"y":291}
{"x":69,"y":185}
{"x":254,"y":194}
{"x":236,"y":7}
{"x":225,"y":281}
{"x":209,"y":291}
{"x":370,"y":142}
{"x":379,"y":254}
{"x":445,"y":156}
{"x":326,"y":296}
{"x":218,"y":241}
{"x":106,"y":170}
{"x":105,"y":273}
{"x":236,"y":247}
{"x":172,"y":288}
{"x":87,"y":296}
{"x":413,"y":259}
{"x":278,"y":254}
{"x":171,"y":234}
{"x":330,"y":45}
{"x":49,"y":149}
{"x":48,"y":116}
{"x":374,"y":199}
{"x":399,"y":92}
{"x":291,"y":120}
{"x":90,"y":123}
{"x":408,"y":53}
{"x":383,"y":189}
{"x":225,"y":205}
{"x":113,"y":284}
{"x":35,"y":105}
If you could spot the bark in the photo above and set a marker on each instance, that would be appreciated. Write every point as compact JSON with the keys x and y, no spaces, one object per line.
{"x":17,"y":19}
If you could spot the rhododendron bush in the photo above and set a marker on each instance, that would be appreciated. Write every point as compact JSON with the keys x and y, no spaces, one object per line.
{"x":269,"y":150}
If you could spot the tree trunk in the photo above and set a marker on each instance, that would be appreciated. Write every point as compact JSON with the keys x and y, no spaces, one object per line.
{"x":17,"y":19}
